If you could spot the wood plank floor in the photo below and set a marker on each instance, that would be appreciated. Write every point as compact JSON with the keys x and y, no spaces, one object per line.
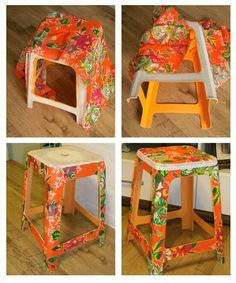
{"x":24,"y":256}
{"x":44,"y":120}
{"x":135,"y":263}
{"x":135,"y":21}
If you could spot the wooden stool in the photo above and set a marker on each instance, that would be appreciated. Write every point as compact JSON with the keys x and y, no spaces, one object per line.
{"x":202,"y":76}
{"x":60,"y":167}
{"x":165,"y":164}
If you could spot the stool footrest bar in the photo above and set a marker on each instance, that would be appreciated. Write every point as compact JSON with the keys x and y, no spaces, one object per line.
{"x":36,"y":210}
{"x":204,"y":225}
{"x":87,"y":214}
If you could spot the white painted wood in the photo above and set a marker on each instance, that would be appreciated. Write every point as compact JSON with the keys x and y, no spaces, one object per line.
{"x":65,"y":156}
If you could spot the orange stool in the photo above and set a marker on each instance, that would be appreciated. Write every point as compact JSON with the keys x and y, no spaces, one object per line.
{"x":165,"y":164}
{"x":202,"y":76}
{"x":60,"y":167}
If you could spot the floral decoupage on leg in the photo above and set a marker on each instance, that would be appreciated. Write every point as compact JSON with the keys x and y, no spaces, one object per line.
{"x":215,"y":189}
{"x":55,"y":183}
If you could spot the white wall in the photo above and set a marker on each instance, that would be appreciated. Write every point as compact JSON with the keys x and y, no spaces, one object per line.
{"x":18,"y":151}
{"x":86,"y":188}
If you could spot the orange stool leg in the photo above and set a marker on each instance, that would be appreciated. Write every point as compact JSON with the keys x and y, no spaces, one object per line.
{"x":157,"y":257}
{"x":101,"y":174}
{"x":52,"y":223}
{"x":28,"y":175}
{"x":148,"y":104}
{"x":135,"y":195}
{"x":187,"y":202}
{"x":216,"y":200}
{"x":69,"y":197}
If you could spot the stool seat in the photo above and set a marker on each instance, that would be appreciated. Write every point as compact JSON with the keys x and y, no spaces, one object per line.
{"x":60,"y":157}
{"x":176,"y":157}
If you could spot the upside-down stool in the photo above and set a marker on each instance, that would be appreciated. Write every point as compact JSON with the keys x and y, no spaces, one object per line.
{"x":76,"y":43}
{"x":202,"y":76}
{"x":60,"y":167}
{"x":164,"y":164}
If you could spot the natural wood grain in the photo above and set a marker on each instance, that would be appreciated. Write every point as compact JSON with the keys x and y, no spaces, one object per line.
{"x":135,"y":21}
{"x":44,"y":120}
{"x":23,"y":254}
{"x":134,"y":261}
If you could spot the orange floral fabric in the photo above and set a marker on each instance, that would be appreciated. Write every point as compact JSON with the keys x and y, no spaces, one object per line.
{"x":164,"y":46}
{"x":80,"y":44}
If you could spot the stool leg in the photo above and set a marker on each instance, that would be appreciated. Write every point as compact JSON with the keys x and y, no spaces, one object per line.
{"x":135,"y":195}
{"x":187,"y":202}
{"x":69,"y":197}
{"x":52,"y":224}
{"x":101,"y":204}
{"x":215,"y":188}
{"x":203,"y":102}
{"x":31,"y":75}
{"x":28,"y":175}
{"x":158,"y":225}
{"x":150,"y":102}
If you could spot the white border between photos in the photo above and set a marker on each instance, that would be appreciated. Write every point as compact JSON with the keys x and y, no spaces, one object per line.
{"x":118,"y":140}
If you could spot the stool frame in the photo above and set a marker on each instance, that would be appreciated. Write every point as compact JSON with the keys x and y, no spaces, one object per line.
{"x":154,"y":248}
{"x":32,"y":75}
{"x":59,"y":181}
{"x":202,"y":76}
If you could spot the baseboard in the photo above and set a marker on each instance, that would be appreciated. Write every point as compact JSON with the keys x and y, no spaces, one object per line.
{"x":206,"y":215}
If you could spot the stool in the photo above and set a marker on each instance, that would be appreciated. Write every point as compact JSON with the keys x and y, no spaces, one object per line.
{"x":164,"y":164}
{"x":79,"y":44}
{"x":202,"y":76}
{"x":60,"y":167}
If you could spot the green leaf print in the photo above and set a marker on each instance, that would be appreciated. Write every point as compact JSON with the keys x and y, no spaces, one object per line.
{"x":156,"y":246}
{"x":102,"y":217}
{"x":96,"y":32}
{"x":163,"y":173}
{"x":52,"y":45}
{"x":52,"y":259}
{"x":168,"y":68}
{"x":56,"y":235}
{"x":65,"y":21}
{"x":200,"y":171}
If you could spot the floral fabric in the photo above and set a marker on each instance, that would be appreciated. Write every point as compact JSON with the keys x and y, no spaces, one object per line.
{"x":175,"y":155}
{"x":154,"y":247}
{"x":56,"y":179}
{"x":164,"y":46}
{"x":80,"y":44}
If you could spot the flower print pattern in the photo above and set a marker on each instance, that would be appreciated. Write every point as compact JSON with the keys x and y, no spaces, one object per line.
{"x":80,"y":44}
{"x":56,"y":179}
{"x":155,"y":248}
{"x":164,"y":46}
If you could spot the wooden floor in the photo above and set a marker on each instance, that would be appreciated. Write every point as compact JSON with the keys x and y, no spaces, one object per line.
{"x":135,"y":263}
{"x":45,"y":120}
{"x":23,"y":255}
{"x":135,"y":21}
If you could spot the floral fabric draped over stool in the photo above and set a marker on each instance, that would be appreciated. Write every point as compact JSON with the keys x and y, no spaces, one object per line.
{"x":164,"y":45}
{"x":78,"y":43}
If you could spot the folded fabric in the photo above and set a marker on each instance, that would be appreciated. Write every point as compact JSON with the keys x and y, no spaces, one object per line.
{"x":164,"y":46}
{"x":80,"y":44}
